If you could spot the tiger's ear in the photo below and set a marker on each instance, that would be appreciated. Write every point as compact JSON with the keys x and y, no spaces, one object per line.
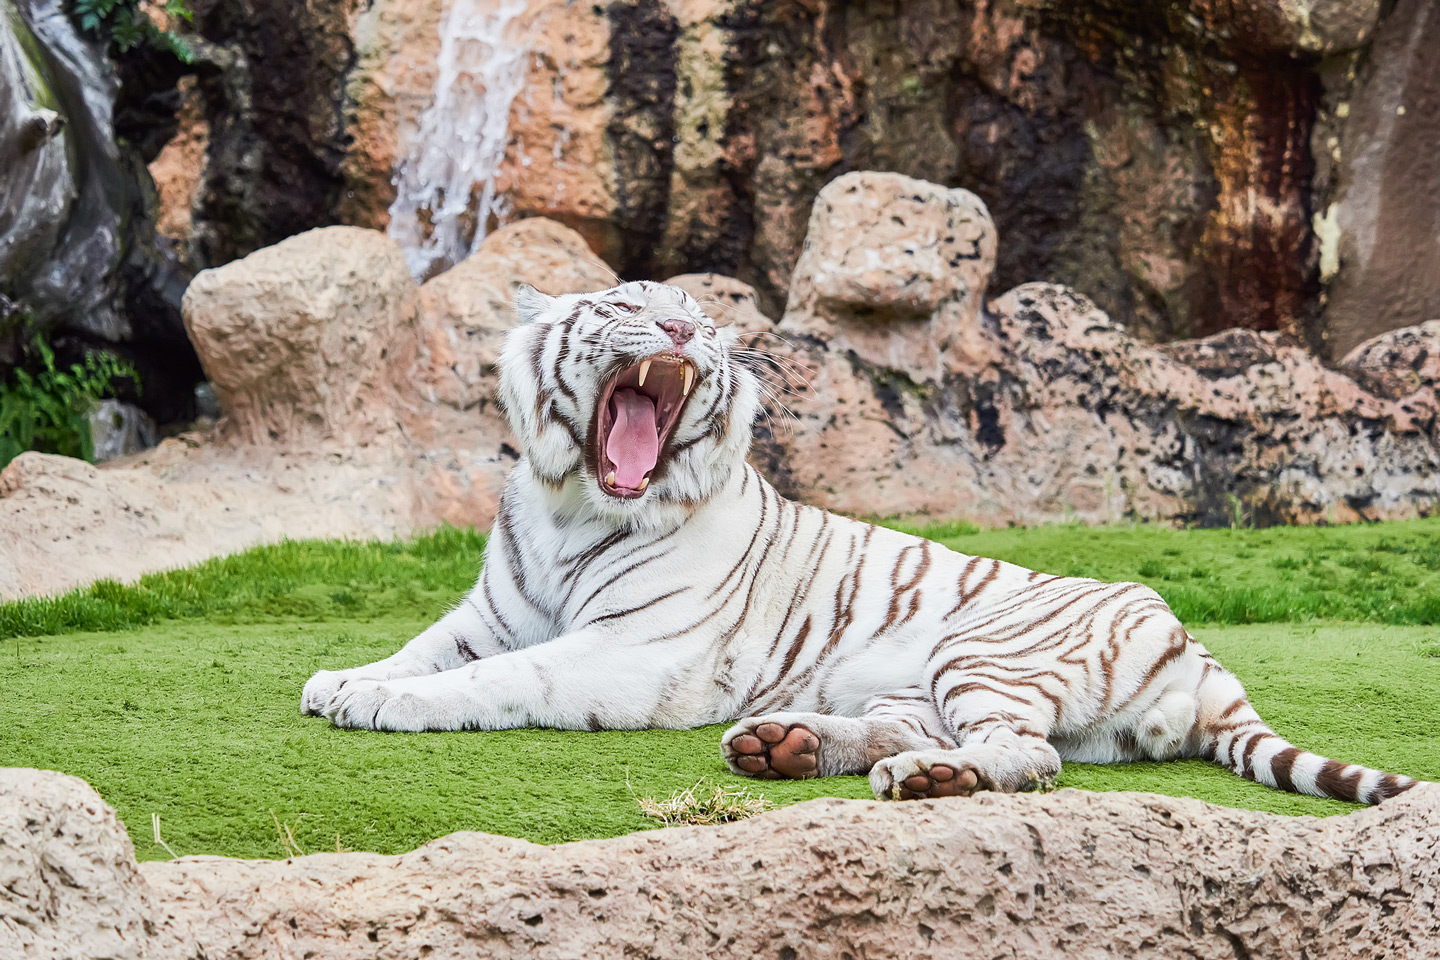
{"x":530,"y":303}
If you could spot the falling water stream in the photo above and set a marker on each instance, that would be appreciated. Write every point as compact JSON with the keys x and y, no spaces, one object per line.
{"x":445,"y":186}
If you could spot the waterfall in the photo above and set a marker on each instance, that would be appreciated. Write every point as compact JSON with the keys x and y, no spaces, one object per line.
{"x":445,"y":186}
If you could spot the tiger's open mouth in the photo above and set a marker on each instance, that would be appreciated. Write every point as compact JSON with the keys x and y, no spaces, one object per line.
{"x":638,"y":411}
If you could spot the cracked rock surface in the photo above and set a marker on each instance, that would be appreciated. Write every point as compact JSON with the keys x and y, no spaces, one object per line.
{"x":1069,"y":873}
{"x":1036,"y":407}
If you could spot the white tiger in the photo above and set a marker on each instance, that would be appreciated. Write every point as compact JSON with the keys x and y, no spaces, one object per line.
{"x":641,"y":574}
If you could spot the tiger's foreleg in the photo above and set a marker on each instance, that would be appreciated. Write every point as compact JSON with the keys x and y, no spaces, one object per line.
{"x":798,"y":746}
{"x":587,"y":680}
{"x":999,"y":719}
{"x":461,"y":636}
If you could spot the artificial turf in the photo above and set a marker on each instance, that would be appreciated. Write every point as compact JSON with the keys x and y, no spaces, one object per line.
{"x":179,"y":696}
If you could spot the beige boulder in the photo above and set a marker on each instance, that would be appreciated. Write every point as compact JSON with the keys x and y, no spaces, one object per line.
{"x":194,"y":497}
{"x":356,"y":405}
{"x":894,"y":269}
{"x":1030,"y":875}
{"x":302,"y":340}
{"x":1042,"y":410}
{"x":894,"y":248}
{"x":69,"y":886}
{"x":461,"y":437}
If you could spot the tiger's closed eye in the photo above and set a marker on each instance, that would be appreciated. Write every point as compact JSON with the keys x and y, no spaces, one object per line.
{"x":627,"y":308}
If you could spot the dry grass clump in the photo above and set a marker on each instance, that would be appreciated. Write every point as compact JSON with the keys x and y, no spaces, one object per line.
{"x":705,"y":804}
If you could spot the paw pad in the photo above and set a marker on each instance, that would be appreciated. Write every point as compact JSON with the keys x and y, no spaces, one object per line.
{"x":941,"y":780}
{"x":774,"y":752}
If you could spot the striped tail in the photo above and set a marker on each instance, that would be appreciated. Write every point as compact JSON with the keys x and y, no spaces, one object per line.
{"x":1242,"y":743}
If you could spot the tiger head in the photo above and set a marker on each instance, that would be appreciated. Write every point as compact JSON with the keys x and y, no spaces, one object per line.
{"x":633,"y":393}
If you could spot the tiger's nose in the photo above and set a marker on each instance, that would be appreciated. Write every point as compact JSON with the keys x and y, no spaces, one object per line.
{"x":681,"y":331}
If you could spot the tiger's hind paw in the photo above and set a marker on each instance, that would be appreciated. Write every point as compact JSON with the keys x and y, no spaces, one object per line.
{"x":772,"y":749}
{"x":913,"y":776}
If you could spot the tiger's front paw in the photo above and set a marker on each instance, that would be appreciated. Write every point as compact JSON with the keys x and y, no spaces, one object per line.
{"x":320,"y":690}
{"x":387,"y":705}
{"x":326,"y":685}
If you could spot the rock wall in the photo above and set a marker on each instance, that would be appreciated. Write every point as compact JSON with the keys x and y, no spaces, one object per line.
{"x":1189,"y":166}
{"x":1378,"y":208}
{"x":1025,"y":875}
{"x":79,"y":262}
{"x":920,"y":400}
{"x":359,"y":404}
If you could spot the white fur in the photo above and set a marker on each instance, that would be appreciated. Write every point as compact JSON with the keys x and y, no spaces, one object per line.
{"x":712,"y":597}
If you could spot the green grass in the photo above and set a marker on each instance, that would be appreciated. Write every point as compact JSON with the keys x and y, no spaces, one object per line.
{"x":179,"y":695}
{"x":1381,"y":573}
{"x":309,"y":580}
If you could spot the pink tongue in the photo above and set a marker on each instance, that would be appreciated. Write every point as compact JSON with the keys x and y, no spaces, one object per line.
{"x":634,"y":444}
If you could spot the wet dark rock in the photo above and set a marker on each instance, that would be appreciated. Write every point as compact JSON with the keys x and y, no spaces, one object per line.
{"x":80,"y":263}
{"x":273,"y":75}
{"x":1379,"y":201}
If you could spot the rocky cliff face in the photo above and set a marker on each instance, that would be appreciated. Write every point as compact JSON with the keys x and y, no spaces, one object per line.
{"x":1376,"y":202}
{"x":1190,"y":166}
{"x":920,"y":399}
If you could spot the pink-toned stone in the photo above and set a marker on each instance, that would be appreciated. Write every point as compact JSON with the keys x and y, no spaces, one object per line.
{"x":893,"y":268}
{"x":179,"y":170}
{"x":1400,"y":363}
{"x":469,"y":308}
{"x":465,"y":314}
{"x":1043,"y":410}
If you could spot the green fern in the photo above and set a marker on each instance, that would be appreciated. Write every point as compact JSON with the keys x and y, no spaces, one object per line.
{"x":47,"y":408}
{"x":126,"y":26}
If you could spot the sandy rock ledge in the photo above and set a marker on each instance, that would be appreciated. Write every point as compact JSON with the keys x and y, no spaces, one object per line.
{"x":1071,"y":873}
{"x":359,"y":404}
